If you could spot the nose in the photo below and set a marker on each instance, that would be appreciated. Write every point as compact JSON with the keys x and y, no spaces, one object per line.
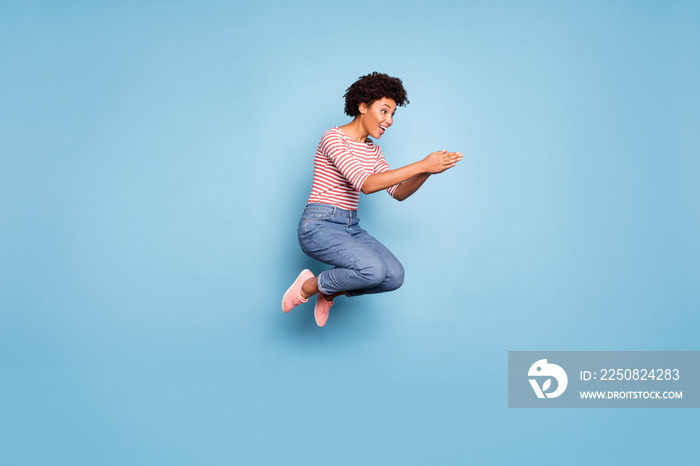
{"x":389,"y":120}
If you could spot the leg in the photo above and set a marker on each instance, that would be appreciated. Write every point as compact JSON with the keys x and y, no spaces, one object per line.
{"x":360,"y":261}
{"x":394,"y":270}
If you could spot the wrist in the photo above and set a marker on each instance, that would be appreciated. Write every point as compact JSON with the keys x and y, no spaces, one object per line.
{"x":423,"y":167}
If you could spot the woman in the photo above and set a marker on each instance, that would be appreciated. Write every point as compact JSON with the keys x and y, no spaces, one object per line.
{"x":347,"y":162}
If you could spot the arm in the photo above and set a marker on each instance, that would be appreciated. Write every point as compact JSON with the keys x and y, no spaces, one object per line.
{"x":389,"y":178}
{"x":413,"y":175}
{"x":410,"y":186}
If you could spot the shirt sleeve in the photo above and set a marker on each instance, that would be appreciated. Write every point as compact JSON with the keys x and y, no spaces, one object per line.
{"x":340,"y":154}
{"x":380,"y":167}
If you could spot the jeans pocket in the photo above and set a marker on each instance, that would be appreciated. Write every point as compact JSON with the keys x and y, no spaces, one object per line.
{"x":312,"y":220}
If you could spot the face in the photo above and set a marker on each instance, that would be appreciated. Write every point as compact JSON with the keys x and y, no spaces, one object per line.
{"x":377,"y":118}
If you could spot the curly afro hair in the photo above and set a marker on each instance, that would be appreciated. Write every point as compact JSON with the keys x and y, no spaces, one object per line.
{"x":373,"y":87}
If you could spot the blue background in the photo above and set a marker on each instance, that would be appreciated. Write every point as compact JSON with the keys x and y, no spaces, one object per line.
{"x":156,"y":157}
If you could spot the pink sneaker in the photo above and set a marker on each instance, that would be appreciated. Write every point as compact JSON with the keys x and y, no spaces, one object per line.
{"x":292,"y":297}
{"x":323,"y":307}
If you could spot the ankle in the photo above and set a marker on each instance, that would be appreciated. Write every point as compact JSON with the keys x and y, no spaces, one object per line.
{"x":308,"y":289}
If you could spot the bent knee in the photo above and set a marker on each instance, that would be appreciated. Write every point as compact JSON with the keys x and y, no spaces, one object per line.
{"x":395,"y":277}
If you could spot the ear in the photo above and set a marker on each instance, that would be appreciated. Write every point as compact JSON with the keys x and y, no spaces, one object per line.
{"x":363,"y":107}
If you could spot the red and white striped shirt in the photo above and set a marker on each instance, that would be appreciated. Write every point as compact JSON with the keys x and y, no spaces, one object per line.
{"x":341,"y":166}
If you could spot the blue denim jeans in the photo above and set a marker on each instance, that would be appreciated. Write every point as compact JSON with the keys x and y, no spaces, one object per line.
{"x":362,"y":265}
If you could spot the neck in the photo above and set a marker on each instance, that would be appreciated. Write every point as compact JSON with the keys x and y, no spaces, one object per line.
{"x":355,"y":130}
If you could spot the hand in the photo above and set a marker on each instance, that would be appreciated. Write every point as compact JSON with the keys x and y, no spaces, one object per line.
{"x":438,"y":162}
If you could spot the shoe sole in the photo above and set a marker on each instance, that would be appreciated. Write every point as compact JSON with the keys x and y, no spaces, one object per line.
{"x":290,"y":288}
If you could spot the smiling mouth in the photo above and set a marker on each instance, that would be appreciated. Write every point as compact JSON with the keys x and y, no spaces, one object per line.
{"x":382,"y":128}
